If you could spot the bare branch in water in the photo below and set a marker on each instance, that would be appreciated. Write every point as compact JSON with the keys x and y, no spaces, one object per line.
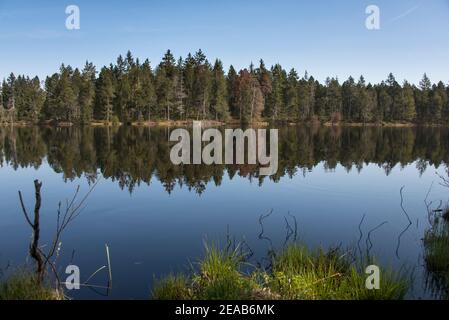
{"x":290,"y":231}
{"x":407,"y":227}
{"x":361,"y":235}
{"x":369,"y":244}
{"x":261,"y":235}
{"x":71,"y":211}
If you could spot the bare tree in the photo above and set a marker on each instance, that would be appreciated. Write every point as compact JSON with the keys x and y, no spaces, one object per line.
{"x":65,"y":216}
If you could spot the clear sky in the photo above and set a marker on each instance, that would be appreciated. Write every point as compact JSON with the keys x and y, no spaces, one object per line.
{"x":325,"y":37}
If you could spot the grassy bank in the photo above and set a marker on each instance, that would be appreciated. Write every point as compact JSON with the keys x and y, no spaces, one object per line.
{"x":297,"y":273}
{"x":23,"y":285}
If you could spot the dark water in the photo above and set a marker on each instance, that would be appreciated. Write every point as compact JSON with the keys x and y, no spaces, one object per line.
{"x":155,"y":216}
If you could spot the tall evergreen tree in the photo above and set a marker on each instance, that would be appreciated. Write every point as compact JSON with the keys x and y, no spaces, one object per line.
{"x":165,"y":76}
{"x":219,"y":102}
{"x":276,"y":106}
{"x":306,"y":97}
{"x":232,"y":86}
{"x":87,"y":92}
{"x":407,"y":103}
{"x":202,"y":85}
{"x":423,"y":97}
{"x":105,"y":93}
{"x":292,"y":96}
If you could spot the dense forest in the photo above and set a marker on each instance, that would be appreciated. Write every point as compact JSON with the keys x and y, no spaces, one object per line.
{"x":134,"y":155}
{"x":193,"y":88}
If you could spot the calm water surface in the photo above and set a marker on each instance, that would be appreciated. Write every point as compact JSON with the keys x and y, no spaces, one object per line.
{"x":155,"y":216}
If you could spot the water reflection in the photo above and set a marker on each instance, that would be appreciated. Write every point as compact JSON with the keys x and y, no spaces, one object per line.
{"x":135,"y":155}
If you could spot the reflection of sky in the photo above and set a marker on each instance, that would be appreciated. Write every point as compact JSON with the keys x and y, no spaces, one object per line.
{"x":151,"y":232}
{"x":328,"y":38}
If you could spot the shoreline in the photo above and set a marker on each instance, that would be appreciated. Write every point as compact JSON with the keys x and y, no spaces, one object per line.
{"x":215,"y":123}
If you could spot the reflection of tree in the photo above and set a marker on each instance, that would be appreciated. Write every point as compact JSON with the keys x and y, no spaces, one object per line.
{"x":134,"y":155}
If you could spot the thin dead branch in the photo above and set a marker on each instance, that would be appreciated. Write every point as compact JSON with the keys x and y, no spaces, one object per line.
{"x":64,"y":217}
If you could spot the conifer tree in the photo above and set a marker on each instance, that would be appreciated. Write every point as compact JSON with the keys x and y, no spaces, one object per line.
{"x":87,"y":92}
{"x":408,"y":106}
{"x":276,"y":106}
{"x":165,"y":76}
{"x":232,"y":86}
{"x":219,"y":102}
{"x":292,"y":96}
{"x":424,"y":98}
{"x":105,"y":93}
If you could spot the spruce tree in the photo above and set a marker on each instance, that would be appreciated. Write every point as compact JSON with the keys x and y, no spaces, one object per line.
{"x":276,"y":102}
{"x":105,"y":93}
{"x":219,"y":102}
{"x":87,"y":92}
{"x":292,"y":96}
{"x":232,"y":86}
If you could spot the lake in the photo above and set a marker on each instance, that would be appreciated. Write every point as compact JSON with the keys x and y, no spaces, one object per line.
{"x":339,"y":185}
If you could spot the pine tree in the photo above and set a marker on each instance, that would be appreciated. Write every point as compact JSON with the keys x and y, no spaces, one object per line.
{"x":292,"y":96}
{"x":349,"y":96}
{"x":232,"y":86}
{"x":424,"y":98}
{"x":29,"y":98}
{"x":179,"y":91}
{"x":51,"y":105}
{"x":67,"y":98}
{"x":438,"y":102}
{"x":306,"y":97}
{"x":265,"y":82}
{"x":385,"y":104}
{"x":86,"y":95}
{"x":276,"y":106}
{"x":219,"y":102}
{"x":202,"y":85}
{"x":165,"y":75}
{"x":408,"y":106}
{"x":146,"y":95}
{"x":363,"y":102}
{"x":189,"y":80}
{"x":105,"y":93}
{"x":334,"y":100}
{"x":122,"y":88}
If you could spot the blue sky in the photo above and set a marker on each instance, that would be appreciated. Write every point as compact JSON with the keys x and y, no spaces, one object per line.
{"x":325,"y":37}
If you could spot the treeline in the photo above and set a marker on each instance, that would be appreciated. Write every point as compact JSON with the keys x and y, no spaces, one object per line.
{"x":135,"y":155}
{"x":193,"y":88}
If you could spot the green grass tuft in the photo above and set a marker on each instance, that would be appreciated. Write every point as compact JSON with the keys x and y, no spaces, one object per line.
{"x":297,"y":273}
{"x":173,"y":287}
{"x":23,"y":286}
{"x":220,"y":278}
